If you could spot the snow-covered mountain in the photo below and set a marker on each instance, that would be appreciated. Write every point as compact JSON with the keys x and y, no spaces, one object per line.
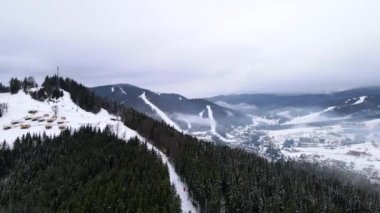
{"x":361,"y":103}
{"x":197,"y":116}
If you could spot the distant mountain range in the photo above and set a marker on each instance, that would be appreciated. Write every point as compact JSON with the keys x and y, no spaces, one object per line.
{"x":361,"y":103}
{"x":198,"y":116}
{"x":230,"y":111}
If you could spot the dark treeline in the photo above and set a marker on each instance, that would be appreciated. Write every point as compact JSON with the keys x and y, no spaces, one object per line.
{"x":221,"y":178}
{"x":3,"y":109}
{"x":87,"y":171}
{"x":79,"y":94}
{"x":16,"y":85}
{"x":3,"y":88}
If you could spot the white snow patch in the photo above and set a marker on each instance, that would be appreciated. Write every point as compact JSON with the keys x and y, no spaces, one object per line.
{"x":348,"y":101}
{"x":360,"y":100}
{"x":201,"y":114}
{"x":313,"y":117}
{"x":112,"y":89}
{"x":213,"y":126}
{"x":188,"y":124}
{"x":160,"y":113}
{"x":180,"y":98}
{"x":122,"y":90}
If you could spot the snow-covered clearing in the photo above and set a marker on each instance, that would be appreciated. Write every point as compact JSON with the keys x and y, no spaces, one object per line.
{"x":69,"y":115}
{"x":160,"y":113}
{"x":360,"y":100}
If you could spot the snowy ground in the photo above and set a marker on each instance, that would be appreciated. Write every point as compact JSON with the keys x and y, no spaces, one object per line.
{"x":69,"y":115}
{"x":353,"y":146}
{"x":333,"y":145}
{"x":72,"y":116}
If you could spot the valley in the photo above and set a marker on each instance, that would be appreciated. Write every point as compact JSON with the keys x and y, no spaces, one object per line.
{"x":339,"y":130}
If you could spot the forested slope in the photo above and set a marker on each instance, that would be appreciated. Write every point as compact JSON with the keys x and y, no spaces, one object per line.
{"x":88,"y":171}
{"x":223,"y":178}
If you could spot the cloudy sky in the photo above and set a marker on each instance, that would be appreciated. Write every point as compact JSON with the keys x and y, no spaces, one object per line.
{"x":198,"y":47}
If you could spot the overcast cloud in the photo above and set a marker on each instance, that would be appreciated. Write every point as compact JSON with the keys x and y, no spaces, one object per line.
{"x":197,"y":48}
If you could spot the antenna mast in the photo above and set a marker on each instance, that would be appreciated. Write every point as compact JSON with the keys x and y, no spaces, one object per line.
{"x":58,"y":77}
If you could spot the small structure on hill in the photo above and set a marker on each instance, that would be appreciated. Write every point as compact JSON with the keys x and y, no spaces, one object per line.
{"x":32,"y":111}
{"x":6,"y":127}
{"x":24,"y":126}
{"x":13,"y":122}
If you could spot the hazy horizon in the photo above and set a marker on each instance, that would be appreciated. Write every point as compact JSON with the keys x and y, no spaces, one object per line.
{"x":197,"y":48}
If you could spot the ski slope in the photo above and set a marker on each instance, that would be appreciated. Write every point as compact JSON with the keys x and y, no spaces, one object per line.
{"x":360,"y":100}
{"x":213,"y":126}
{"x":180,"y":187}
{"x":201,"y":114}
{"x":160,"y":113}
{"x":122,"y":90}
{"x":313,"y":117}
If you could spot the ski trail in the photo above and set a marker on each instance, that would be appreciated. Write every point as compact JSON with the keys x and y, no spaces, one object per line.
{"x":213,"y":126}
{"x":360,"y":100}
{"x":122,"y":91}
{"x":201,"y":114}
{"x":180,"y":187}
{"x":160,"y":113}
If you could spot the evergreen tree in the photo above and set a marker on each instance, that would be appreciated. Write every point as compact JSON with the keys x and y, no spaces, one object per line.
{"x":3,"y":88}
{"x":14,"y":85}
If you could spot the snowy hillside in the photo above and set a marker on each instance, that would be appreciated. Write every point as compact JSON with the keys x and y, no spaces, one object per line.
{"x":26,"y":115}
